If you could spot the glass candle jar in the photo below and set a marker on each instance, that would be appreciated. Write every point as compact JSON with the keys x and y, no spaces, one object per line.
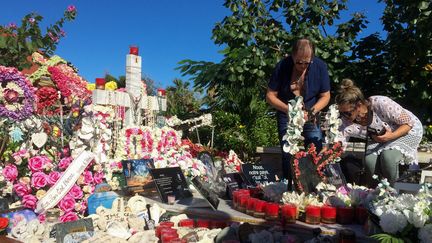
{"x":100,"y":83}
{"x":189,"y":223}
{"x":272,"y":211}
{"x":133,"y":50}
{"x":313,"y":214}
{"x":345,"y":215}
{"x":361,"y":215}
{"x":259,"y":210}
{"x":251,"y":205}
{"x":289,"y":213}
{"x":328,"y":214}
{"x":168,"y":224}
{"x":52,"y":215}
{"x":203,"y":223}
{"x":242,"y":204}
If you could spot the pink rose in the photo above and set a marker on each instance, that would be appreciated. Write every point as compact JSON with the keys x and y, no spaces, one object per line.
{"x":98,"y":176}
{"x":83,"y":206}
{"x":22,"y":189}
{"x":39,"y":180}
{"x":41,"y":218}
{"x":67,"y":203}
{"x":65,"y":162}
{"x":68,"y":216}
{"x":88,"y":177}
{"x":53,"y":177}
{"x":10,"y":172}
{"x":29,"y":201}
{"x":76,"y":192}
{"x":38,"y":163}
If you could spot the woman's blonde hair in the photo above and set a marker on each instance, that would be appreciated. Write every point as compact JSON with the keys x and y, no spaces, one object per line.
{"x":349,"y":93}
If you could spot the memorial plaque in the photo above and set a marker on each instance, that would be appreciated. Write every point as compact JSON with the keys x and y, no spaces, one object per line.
{"x":258,"y":174}
{"x":234,"y":181}
{"x":334,"y":175}
{"x":170,"y":181}
{"x":104,"y":199}
{"x":209,"y":195}
{"x":81,"y":225}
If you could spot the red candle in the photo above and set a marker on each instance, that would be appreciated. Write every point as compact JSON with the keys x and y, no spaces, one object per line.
{"x":235,"y":197}
{"x":313,"y":214}
{"x":100,"y":83}
{"x":168,"y":237}
{"x":168,"y":224}
{"x":133,"y":50}
{"x":250,"y":205}
{"x":186,"y":223}
{"x":272,"y":211}
{"x":328,"y":214}
{"x":345,"y":215}
{"x":254,"y":191}
{"x":289,"y":213}
{"x":242,"y":203}
{"x":361,"y":215}
{"x":159,"y":229}
{"x":203,"y":223}
{"x":259,"y":210}
{"x":244,"y":191}
{"x":161,"y":92}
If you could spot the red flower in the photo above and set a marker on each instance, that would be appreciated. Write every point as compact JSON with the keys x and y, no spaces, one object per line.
{"x":4,"y":223}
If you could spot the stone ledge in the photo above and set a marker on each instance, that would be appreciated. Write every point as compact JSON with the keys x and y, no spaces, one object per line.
{"x":353,"y":148}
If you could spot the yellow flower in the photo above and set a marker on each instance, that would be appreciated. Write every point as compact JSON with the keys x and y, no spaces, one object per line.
{"x":430,"y":126}
{"x":111,"y":85}
{"x":242,"y":126}
{"x":40,"y":194}
{"x":56,"y":131}
{"x":91,"y":87}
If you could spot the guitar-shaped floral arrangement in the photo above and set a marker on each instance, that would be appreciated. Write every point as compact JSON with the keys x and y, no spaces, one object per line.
{"x":333,"y":149}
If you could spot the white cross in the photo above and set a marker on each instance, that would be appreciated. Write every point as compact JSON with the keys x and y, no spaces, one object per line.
{"x":134,"y":94}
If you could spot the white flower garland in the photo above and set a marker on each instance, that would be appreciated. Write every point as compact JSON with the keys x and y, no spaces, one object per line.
{"x":295,"y":125}
{"x":206,"y":120}
{"x":332,"y":122}
{"x":296,"y":122}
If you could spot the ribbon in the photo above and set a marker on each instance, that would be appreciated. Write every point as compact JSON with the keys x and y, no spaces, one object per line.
{"x":65,"y":183}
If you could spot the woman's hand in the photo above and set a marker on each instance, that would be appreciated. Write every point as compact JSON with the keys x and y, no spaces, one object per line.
{"x":387,"y":136}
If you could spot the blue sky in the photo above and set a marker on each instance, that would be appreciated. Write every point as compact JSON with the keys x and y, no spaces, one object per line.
{"x":166,"y":32}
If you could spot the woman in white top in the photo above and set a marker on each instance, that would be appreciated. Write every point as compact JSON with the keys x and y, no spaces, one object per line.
{"x":395,"y":132}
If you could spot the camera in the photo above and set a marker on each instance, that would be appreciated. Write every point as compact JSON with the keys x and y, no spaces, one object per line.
{"x":377,"y":132}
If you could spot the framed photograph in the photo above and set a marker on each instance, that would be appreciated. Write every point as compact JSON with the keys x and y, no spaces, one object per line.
{"x":407,"y":188}
{"x":137,"y":172}
{"x":207,"y":160}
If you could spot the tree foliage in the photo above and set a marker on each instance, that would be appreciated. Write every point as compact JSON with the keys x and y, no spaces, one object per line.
{"x":17,"y":43}
{"x":182,"y":101}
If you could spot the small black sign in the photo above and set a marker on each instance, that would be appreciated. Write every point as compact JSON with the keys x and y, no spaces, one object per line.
{"x":170,"y":181}
{"x":334,"y":175}
{"x":206,"y":192}
{"x":234,"y":181}
{"x":258,"y":174}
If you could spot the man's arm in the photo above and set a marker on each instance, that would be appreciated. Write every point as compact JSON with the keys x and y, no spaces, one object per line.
{"x":323,"y":100}
{"x":274,"y":101}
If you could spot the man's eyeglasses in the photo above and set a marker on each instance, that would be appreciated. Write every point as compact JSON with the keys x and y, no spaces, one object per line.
{"x":346,"y":114}
{"x":303,"y":63}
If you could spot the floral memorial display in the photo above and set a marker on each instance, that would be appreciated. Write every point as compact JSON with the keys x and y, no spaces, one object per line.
{"x":70,"y":151}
